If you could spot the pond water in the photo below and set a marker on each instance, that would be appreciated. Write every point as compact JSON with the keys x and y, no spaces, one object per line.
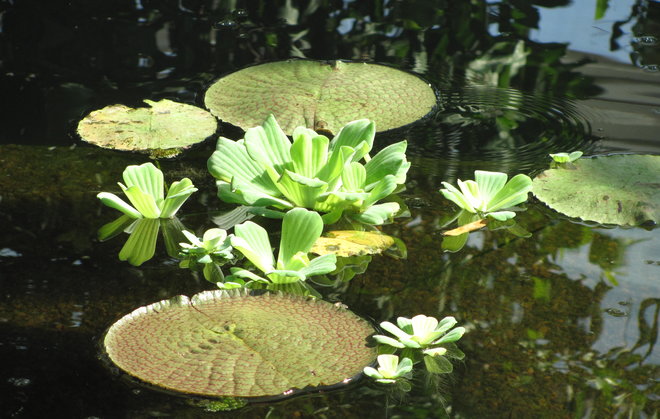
{"x":561,"y":324}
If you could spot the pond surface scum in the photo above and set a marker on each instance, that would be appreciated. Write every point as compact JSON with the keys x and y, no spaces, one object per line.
{"x":561,"y":324}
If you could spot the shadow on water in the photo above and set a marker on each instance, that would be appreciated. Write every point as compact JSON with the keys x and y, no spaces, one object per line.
{"x":563,"y":324}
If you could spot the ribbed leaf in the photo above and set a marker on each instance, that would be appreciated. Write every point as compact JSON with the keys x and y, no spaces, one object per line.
{"x":147,"y":178}
{"x":245,"y":274}
{"x":114,"y":228}
{"x":231,"y":163}
{"x":284,"y":276}
{"x":320,"y":265}
{"x":382,"y":189}
{"x":331,"y":172}
{"x":358,"y":135}
{"x":470,"y":191}
{"x":301,"y":190}
{"x":141,"y":244}
{"x":113,"y":201}
{"x":393,"y":329}
{"x":300,"y":229}
{"x":249,"y":195}
{"x":172,"y":235}
{"x":386,"y":340}
{"x":454,"y":195}
{"x":353,"y":177}
{"x":176,"y":196}
{"x":452,"y":336}
{"x":268,"y":145}
{"x":388,"y":161}
{"x":513,"y":193}
{"x":438,"y":364}
{"x":252,"y":241}
{"x":143,"y":202}
{"x":308,"y":153}
{"x":377,"y":214}
{"x":490,"y":183}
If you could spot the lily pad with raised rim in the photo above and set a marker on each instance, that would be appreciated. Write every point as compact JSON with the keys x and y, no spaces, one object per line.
{"x":233,"y":343}
{"x":320,"y":95}
{"x":615,"y":189}
{"x":164,"y":125}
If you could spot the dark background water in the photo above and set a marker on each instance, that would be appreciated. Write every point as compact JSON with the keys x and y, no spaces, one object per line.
{"x":564,"y":324}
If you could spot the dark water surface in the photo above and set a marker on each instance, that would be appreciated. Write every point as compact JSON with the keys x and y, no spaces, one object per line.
{"x":562,"y":324}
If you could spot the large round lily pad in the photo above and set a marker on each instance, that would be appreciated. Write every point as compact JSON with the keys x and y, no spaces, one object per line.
{"x":232,"y":343}
{"x":320,"y":95}
{"x":616,"y":189}
{"x":164,"y":125}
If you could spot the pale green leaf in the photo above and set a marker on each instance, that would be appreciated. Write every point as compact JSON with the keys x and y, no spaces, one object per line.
{"x":377,"y":214}
{"x":309,"y":153}
{"x":113,"y":201}
{"x":252,"y":241}
{"x":513,"y":193}
{"x":359,"y":135}
{"x":173,"y":230}
{"x":320,"y":265}
{"x":388,"y":161}
{"x":300,"y":229}
{"x":438,"y":364}
{"x":147,"y":178}
{"x":353,"y":177}
{"x":141,"y":244}
{"x":489,"y":184}
{"x":231,"y":163}
{"x":454,"y":195}
{"x":114,"y":228}
{"x":268,"y":145}
{"x":143,"y":202}
{"x":179,"y":192}
{"x":382,"y":189}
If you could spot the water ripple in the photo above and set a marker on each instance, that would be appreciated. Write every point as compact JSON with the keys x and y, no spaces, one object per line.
{"x":499,"y":129}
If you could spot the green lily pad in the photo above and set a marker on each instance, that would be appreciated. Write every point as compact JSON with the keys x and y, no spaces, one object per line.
{"x":237,"y":344}
{"x":165,"y":125}
{"x":320,"y":95}
{"x":616,"y":189}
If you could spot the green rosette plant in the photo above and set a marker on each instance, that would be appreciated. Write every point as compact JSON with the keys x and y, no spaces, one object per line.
{"x":566,"y":157}
{"x":424,"y":337}
{"x":390,"y":369}
{"x":143,"y":186}
{"x":267,"y":169}
{"x":300,"y":229}
{"x":212,"y":251}
{"x":489,"y":195}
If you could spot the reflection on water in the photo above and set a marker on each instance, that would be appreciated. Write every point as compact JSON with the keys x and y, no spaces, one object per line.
{"x":498,"y":129}
{"x":562,"y":324}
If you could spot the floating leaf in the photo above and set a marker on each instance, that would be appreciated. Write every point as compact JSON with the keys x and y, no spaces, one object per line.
{"x":616,"y":189}
{"x":320,"y":95}
{"x":466,"y":228}
{"x":233,"y":343}
{"x":352,"y":243}
{"x":165,"y":125}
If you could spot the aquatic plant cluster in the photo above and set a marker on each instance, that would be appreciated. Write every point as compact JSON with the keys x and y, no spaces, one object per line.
{"x":308,"y":181}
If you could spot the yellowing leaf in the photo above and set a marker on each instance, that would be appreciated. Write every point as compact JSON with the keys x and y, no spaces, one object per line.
{"x":476,"y":225}
{"x":352,"y":243}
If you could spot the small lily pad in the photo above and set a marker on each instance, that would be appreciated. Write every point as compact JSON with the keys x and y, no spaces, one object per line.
{"x":320,"y":95}
{"x":237,"y":344}
{"x":165,"y":125}
{"x":352,"y":243}
{"x":616,"y":189}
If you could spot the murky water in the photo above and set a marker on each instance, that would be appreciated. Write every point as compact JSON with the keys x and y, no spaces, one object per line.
{"x":561,"y":324}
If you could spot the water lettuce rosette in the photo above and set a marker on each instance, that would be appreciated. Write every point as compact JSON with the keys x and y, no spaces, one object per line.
{"x":335,"y":177}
